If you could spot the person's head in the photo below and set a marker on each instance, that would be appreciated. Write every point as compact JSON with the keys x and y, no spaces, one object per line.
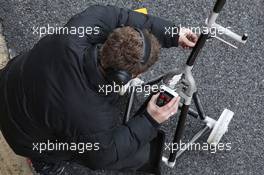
{"x":123,"y":50}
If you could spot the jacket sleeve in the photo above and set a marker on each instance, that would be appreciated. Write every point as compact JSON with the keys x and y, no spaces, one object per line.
{"x":100,"y":21}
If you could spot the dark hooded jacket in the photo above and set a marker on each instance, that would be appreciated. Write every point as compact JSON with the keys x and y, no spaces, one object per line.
{"x":50,"y":94}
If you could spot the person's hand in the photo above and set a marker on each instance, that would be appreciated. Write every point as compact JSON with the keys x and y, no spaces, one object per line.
{"x":187,"y":39}
{"x":161,"y":114}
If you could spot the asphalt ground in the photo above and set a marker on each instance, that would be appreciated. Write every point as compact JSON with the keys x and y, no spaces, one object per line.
{"x":226,"y":77}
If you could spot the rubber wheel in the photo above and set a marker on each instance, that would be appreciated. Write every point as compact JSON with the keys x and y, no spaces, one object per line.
{"x":220,"y":127}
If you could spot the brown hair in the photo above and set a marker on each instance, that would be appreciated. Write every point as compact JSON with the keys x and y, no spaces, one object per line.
{"x":123,"y":50}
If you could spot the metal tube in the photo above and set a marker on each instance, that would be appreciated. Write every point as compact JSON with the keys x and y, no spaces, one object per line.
{"x":130,"y":104}
{"x":198,"y":106}
{"x":191,"y":111}
{"x":219,"y":5}
{"x":179,"y":131}
{"x":153,"y":81}
{"x":211,"y":19}
{"x":197,"y":48}
{"x":195,"y":137}
{"x":230,"y":33}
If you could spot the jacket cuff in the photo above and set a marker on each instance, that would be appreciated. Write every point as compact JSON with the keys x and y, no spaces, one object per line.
{"x":154,"y":123}
{"x":171,"y":37}
{"x":175,"y":38}
{"x":142,"y":129}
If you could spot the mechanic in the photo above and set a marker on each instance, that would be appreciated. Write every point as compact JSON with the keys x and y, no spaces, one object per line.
{"x":51,"y":93}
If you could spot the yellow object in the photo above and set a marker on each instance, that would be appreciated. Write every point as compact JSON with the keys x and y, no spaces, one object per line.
{"x":142,"y":10}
